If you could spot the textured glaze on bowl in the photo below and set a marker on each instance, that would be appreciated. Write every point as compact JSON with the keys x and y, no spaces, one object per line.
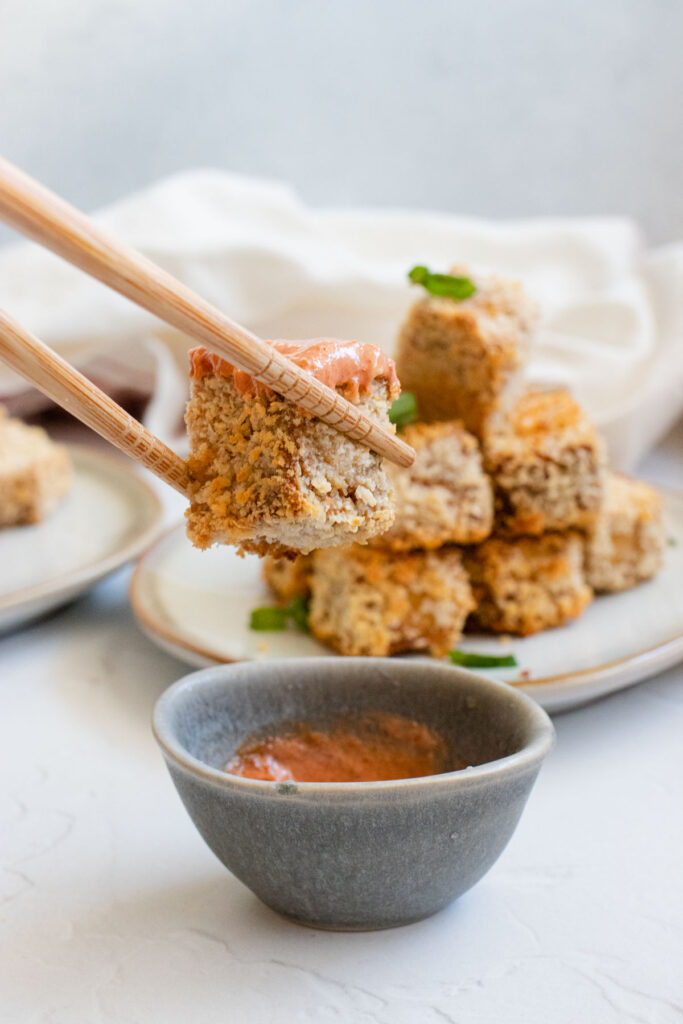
{"x":358,"y":855}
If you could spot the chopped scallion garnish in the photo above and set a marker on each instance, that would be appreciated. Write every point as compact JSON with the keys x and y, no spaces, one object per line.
{"x":470,"y":660}
{"x":272,"y":618}
{"x":446,"y":285}
{"x":298,"y":610}
{"x":404,"y":410}
{"x":268,"y":618}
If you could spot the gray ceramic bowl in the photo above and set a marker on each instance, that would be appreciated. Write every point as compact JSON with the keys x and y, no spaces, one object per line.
{"x":358,"y":855}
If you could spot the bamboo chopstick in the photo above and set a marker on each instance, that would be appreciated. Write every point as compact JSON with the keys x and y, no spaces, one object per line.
{"x":37,"y":212}
{"x":79,"y":396}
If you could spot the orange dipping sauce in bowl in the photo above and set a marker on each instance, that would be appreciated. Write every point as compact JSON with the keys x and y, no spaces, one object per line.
{"x":373,"y":747}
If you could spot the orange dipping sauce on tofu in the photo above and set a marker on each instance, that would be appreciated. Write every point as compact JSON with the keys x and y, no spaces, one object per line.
{"x":372,"y":747}
{"x":353,"y":364}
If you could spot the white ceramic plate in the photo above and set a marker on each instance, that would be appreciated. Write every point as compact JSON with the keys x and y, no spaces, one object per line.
{"x":196,"y":605}
{"x":109,"y":516}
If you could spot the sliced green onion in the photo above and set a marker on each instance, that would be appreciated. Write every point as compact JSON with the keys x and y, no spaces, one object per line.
{"x":418,"y":275}
{"x":445,"y":285}
{"x":268,"y":618}
{"x":272,"y":618}
{"x":470,"y":660}
{"x":404,"y":410}
{"x":298,"y":610}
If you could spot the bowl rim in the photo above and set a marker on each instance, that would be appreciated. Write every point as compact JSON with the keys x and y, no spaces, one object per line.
{"x":540,"y":743}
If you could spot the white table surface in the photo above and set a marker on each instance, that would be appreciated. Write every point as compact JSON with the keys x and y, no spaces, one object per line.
{"x":113,"y":910}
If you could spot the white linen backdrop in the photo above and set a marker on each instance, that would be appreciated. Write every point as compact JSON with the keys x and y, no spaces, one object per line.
{"x":611,"y":330}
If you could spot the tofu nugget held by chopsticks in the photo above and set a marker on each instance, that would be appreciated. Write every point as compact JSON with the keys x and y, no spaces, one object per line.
{"x":269,"y":477}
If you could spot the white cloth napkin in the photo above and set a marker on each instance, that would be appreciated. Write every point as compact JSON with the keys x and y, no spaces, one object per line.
{"x":612,"y":326}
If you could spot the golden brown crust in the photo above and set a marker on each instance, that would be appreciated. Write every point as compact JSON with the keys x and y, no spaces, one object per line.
{"x":626,"y":545}
{"x":527,"y":584}
{"x":444,"y":497}
{"x":288,"y":577}
{"x":463,"y":359}
{"x":268,"y":478}
{"x":547,"y":464}
{"x":371,"y":602}
{"x":35,"y":473}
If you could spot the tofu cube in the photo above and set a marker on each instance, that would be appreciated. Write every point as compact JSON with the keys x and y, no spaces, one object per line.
{"x":463,"y":359}
{"x":627,"y":542}
{"x":35,"y":473}
{"x":269,"y":477}
{"x":547,"y":465}
{"x":527,"y":584}
{"x":444,"y":497}
{"x":371,"y":602}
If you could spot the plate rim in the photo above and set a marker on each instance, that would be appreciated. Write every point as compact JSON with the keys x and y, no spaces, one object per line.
{"x":76,"y":578}
{"x":670,"y":648}
{"x":148,"y":623}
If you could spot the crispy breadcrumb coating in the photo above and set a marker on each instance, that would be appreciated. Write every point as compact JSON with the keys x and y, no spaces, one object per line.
{"x":288,"y":578}
{"x":444,"y":497}
{"x":627,"y":542}
{"x":35,"y":473}
{"x":372,"y":602}
{"x":527,"y":584}
{"x":269,"y":478}
{"x":548,"y":466}
{"x":462,"y":359}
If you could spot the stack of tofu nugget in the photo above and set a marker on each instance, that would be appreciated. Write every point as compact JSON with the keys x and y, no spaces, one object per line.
{"x":507,"y":521}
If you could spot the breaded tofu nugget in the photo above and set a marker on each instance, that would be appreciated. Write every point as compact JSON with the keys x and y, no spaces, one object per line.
{"x":370,"y":602}
{"x":35,"y":473}
{"x":462,"y":359}
{"x":547,"y":465}
{"x":527,"y":584}
{"x":626,"y":544}
{"x":288,"y":577}
{"x":269,"y":477}
{"x":444,"y":497}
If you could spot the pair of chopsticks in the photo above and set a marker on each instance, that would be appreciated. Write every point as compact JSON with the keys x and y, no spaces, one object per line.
{"x":39,"y":214}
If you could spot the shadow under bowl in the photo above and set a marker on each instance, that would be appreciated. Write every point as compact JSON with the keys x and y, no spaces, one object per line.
{"x":354,"y":855}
